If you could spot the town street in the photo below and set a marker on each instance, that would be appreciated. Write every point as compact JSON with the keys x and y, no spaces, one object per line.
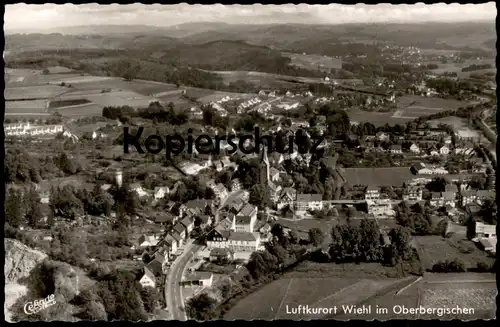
{"x":173,"y":289}
{"x":174,"y":299}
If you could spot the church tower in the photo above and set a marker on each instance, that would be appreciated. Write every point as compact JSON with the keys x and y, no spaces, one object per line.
{"x":264,"y":168}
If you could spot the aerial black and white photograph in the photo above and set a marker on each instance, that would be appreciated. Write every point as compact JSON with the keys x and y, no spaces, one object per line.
{"x":250,"y":162}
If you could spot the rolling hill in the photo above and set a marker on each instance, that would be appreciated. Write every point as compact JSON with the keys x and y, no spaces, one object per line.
{"x":295,"y":37}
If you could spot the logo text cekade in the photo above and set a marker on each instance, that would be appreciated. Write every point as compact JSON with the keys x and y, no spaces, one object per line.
{"x":39,"y":305}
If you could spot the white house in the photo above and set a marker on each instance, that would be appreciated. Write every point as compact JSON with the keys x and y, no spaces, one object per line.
{"x":396,"y":149}
{"x":380,"y":208}
{"x":414,"y":148}
{"x":484,"y":230}
{"x":147,"y":240}
{"x":467,"y":197}
{"x":412,"y":193}
{"x":106,"y":187}
{"x":381,"y":136}
{"x":199,"y":278}
{"x":235,"y":241}
{"x":170,"y":243}
{"x":274,"y":174}
{"x":305,"y":202}
{"x":245,"y":223}
{"x":372,"y":193}
{"x":188,"y":224}
{"x":220,"y":191}
{"x":443,"y":199}
{"x":180,"y":229}
{"x":160,"y":192}
{"x":137,"y":188}
{"x":148,"y":279}
{"x":248,"y":210}
{"x":235,"y":185}
{"x":489,"y":244}
{"x":287,"y":198}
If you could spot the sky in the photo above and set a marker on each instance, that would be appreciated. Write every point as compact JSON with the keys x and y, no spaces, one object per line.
{"x":23,"y":16}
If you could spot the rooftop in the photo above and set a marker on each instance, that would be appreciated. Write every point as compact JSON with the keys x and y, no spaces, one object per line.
{"x":448,"y":195}
{"x":241,"y":236}
{"x":451,"y":188}
{"x":243,"y":220}
{"x":248,"y":210}
{"x":309,"y":197}
{"x":187,"y":221}
{"x":149,"y":273}
{"x":199,"y":275}
{"x":199,"y":203}
{"x":490,"y":242}
{"x":220,"y":252}
{"x":179,"y":228}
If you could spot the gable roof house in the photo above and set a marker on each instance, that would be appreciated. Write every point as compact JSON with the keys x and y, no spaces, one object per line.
{"x":396,"y":149}
{"x":137,"y":188}
{"x":245,"y":223}
{"x":147,"y":240}
{"x":148,"y":278}
{"x":160,"y":192}
{"x":248,"y":210}
{"x":274,"y":174}
{"x":180,"y":229}
{"x":165,"y":218}
{"x":305,"y":202}
{"x":415,"y":148}
{"x":235,"y":206}
{"x":156,"y":265}
{"x":188,"y":224}
{"x":482,"y":195}
{"x":286,"y":198}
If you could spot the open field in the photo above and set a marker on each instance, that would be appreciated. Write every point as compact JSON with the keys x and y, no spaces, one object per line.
{"x":466,"y":290}
{"x":314,"y":62}
{"x":145,"y":88}
{"x":27,"y":115}
{"x":436,"y":248}
{"x":33,"y":92}
{"x":36,"y":105}
{"x":303,"y":226}
{"x":263,"y":79}
{"x":416,"y":106}
{"x":457,"y":67}
{"x":314,"y":292}
{"x":217,"y":95}
{"x":410,"y":108}
{"x":60,"y":70}
{"x":17,"y":76}
{"x":476,"y":291}
{"x":39,"y":78}
{"x":393,"y":176}
{"x":460,"y":125}
{"x":376,"y":118}
{"x":81,"y":79}
{"x":84,"y":82}
{"x":90,"y":109}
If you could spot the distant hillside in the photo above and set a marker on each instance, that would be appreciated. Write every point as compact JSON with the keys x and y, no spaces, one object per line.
{"x":37,"y":42}
{"x":91,"y":49}
{"x":107,"y":30}
{"x":301,"y":37}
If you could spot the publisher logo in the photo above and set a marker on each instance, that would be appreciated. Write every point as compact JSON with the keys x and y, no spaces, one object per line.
{"x":39,"y":305}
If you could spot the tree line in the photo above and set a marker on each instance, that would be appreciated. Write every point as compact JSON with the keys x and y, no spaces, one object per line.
{"x":22,"y":167}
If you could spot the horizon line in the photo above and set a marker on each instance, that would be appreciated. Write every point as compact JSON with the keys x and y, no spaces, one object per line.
{"x":29,"y":30}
